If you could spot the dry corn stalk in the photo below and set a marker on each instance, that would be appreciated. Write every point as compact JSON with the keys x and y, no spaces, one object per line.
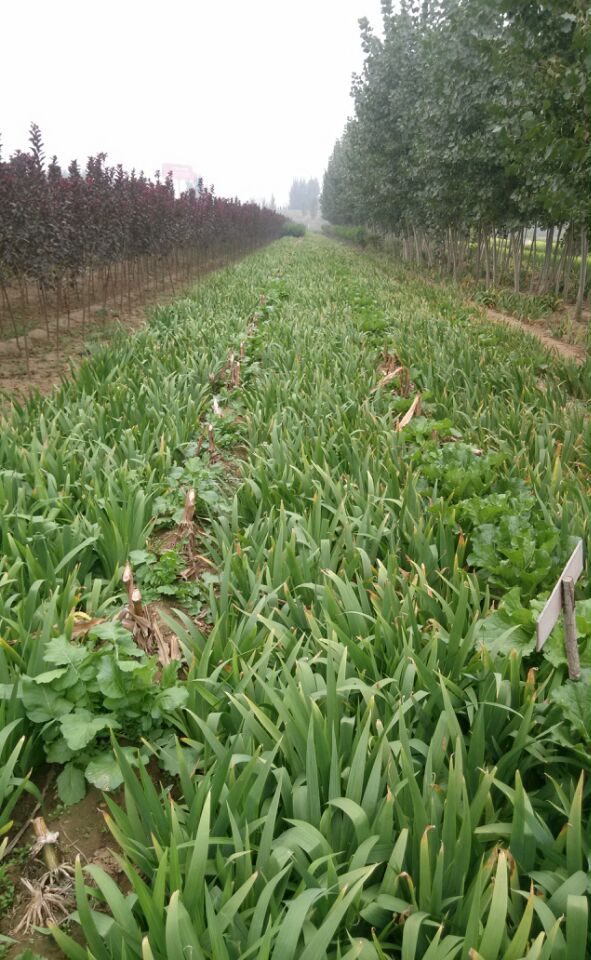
{"x":136,"y":616}
{"x":186,"y":527}
{"x":51,"y":896}
{"x":84,"y":623}
{"x":391,"y":367}
{"x":127,"y":577}
{"x":45,"y":843}
{"x":146,"y":631}
{"x":137,"y":607}
{"x":410,"y":413}
{"x":387,"y":378}
{"x":405,"y":384}
{"x":218,"y":375}
{"x":389,"y":361}
{"x":189,"y":510}
{"x":49,"y":903}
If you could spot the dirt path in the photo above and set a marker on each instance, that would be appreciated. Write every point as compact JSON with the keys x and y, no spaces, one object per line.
{"x":576,"y":352}
{"x":569,"y":351}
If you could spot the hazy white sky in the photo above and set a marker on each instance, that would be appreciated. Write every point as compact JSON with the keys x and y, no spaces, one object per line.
{"x":250,"y":93}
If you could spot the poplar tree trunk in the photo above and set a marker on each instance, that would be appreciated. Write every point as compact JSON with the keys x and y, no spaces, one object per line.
{"x":582,"y":273}
{"x":517,"y":255}
{"x":569,"y":263}
{"x":478,"y":255}
{"x":494,"y":258}
{"x":556,"y":254}
{"x":531,"y":264}
{"x":547,"y":261}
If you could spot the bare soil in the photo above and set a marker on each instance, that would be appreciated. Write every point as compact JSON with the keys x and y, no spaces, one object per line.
{"x":49,"y":362}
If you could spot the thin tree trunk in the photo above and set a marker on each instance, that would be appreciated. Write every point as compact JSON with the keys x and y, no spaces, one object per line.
{"x":532,"y":253}
{"x":44,"y":306}
{"x":547,"y":259}
{"x":517,"y":258}
{"x":494,"y":258}
{"x":25,"y":331}
{"x":506,"y":247}
{"x":11,"y":314}
{"x":452,"y":247}
{"x":556,"y":255}
{"x":582,"y":273}
{"x":561,"y":266}
{"x":417,"y":250}
{"x":58,"y":306}
{"x":569,"y":263}
{"x":478,"y":265}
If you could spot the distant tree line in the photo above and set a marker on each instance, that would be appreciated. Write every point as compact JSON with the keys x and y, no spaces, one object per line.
{"x":304,"y":195}
{"x":471,"y":128}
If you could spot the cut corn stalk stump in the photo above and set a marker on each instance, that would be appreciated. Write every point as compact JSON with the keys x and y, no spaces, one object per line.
{"x":51,"y":895}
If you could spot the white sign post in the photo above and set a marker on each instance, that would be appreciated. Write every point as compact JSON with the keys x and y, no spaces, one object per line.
{"x":562,"y":600}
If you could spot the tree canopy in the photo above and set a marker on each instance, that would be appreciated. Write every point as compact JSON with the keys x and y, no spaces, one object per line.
{"x":471,"y":122}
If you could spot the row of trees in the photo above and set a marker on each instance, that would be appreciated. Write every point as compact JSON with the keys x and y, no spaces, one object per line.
{"x":471,"y":130}
{"x":304,"y":196}
{"x":102,"y":236}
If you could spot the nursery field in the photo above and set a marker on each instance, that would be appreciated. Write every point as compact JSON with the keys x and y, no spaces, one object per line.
{"x":269,"y":577}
